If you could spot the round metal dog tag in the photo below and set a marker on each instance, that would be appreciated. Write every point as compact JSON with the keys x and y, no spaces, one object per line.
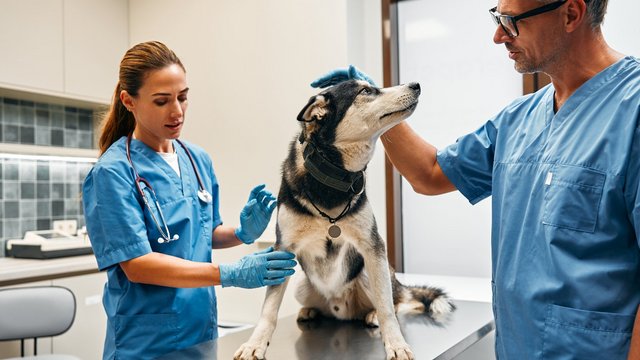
{"x":334,"y":231}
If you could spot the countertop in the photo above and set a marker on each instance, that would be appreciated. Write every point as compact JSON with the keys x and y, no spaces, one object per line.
{"x":328,"y":339}
{"x":17,"y":271}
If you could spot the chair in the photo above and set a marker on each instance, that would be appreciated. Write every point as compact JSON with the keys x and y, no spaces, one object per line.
{"x":33,"y":312}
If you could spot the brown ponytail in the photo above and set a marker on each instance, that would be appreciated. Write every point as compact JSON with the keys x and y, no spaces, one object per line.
{"x":136,"y":64}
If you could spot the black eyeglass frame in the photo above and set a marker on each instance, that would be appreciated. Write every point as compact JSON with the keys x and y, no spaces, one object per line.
{"x":501,"y":19}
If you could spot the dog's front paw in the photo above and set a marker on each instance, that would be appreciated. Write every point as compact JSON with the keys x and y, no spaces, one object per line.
{"x":372,"y":319}
{"x":398,"y":351}
{"x":250,"y":351}
{"x":307,"y":314}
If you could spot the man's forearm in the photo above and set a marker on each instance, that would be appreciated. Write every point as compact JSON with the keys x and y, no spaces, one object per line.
{"x":416,"y":160}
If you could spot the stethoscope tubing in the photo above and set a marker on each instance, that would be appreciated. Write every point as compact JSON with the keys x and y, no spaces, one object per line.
{"x":203,"y":194}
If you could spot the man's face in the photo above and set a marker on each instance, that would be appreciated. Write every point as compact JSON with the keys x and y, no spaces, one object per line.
{"x":540,"y":41}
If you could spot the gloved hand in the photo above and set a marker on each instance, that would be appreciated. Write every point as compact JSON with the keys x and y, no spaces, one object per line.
{"x":255,"y":216}
{"x":266,"y":267}
{"x":339,"y":75}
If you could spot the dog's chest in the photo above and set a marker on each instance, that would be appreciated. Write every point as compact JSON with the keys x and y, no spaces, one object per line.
{"x":328,"y":262}
{"x":312,"y":233}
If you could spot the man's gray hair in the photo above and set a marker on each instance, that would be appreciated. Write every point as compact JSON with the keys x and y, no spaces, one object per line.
{"x":595,"y":10}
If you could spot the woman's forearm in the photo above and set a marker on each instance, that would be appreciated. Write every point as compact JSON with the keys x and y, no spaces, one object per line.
{"x":166,"y":270}
{"x":224,"y":237}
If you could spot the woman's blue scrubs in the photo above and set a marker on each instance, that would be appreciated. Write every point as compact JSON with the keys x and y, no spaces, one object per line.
{"x":566,"y":216}
{"x":146,"y":321}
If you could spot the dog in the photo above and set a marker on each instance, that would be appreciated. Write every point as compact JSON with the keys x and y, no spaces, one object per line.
{"x":324,"y":217}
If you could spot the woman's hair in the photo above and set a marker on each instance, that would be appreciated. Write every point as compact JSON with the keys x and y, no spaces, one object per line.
{"x":136,"y":64}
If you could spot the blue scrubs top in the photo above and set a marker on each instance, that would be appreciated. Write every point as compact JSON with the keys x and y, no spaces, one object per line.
{"x":146,"y":321}
{"x":566,"y":216}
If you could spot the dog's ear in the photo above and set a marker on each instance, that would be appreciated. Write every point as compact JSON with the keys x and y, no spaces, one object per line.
{"x":314,"y":111}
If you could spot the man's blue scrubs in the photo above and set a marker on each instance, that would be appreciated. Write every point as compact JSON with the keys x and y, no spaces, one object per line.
{"x":566,"y":216}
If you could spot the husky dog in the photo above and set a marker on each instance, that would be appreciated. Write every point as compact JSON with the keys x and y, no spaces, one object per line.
{"x":324,"y":217}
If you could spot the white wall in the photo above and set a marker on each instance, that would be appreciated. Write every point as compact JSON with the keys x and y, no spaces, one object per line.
{"x":621,"y":26}
{"x":466,"y":79}
{"x":249,"y":64}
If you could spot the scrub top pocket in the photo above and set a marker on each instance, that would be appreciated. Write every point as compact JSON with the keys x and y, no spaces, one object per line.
{"x":573,"y":334}
{"x":572,"y":197}
{"x":156,"y":333}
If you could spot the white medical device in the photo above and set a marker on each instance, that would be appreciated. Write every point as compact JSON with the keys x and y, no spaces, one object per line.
{"x":47,"y":244}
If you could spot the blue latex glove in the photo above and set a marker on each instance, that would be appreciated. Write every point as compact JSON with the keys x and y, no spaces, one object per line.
{"x":266,"y":267}
{"x":339,"y":75}
{"x":255,"y":216}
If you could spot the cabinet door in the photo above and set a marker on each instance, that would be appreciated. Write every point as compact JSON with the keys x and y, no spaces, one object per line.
{"x":31,"y":44}
{"x":96,"y":36}
{"x":85,"y":339}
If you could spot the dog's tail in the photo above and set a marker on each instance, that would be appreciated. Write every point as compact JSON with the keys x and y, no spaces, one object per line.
{"x":435,"y":300}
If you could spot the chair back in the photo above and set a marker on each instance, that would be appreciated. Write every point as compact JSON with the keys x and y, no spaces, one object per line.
{"x":38,"y":311}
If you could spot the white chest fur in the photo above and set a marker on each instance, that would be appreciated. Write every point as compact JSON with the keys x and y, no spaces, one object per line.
{"x":326,"y":260}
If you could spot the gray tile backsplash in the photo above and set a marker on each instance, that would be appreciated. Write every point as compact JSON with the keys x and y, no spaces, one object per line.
{"x":34,"y":192}
{"x":26,"y":122}
{"x":31,"y":197}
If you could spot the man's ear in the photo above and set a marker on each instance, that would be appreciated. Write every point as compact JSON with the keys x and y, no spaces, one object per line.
{"x":311,"y":116}
{"x":576,"y":15}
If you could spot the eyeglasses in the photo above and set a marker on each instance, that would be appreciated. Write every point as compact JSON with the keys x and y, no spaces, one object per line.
{"x":508,"y":22}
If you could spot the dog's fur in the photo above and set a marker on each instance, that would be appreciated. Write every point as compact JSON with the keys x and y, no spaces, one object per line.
{"x":347,"y":277}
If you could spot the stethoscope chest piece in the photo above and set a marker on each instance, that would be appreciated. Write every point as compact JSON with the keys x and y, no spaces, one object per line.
{"x":162,"y":240}
{"x":205,"y":196}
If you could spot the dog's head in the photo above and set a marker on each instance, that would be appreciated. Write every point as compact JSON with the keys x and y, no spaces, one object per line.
{"x":355,"y":111}
{"x":353,"y":114}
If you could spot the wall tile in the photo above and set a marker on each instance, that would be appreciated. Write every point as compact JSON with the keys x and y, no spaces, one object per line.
{"x":43,"y":136}
{"x":11,"y":209}
{"x":10,"y":133}
{"x":42,"y":171}
{"x":12,"y":228}
{"x":26,"y":122}
{"x":11,"y":113}
{"x":11,"y":190}
{"x":11,"y":170}
{"x":27,"y":190}
{"x":57,"y":137}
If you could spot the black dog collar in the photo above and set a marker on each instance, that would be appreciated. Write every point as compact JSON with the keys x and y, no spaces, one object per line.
{"x":328,"y":174}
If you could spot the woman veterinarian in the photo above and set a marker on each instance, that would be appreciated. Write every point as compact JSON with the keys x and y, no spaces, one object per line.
{"x":151,"y":206}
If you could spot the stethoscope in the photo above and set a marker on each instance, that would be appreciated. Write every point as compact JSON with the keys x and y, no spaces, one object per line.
{"x":203,"y":194}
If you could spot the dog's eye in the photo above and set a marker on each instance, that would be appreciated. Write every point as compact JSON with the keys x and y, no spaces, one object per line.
{"x":366,"y":91}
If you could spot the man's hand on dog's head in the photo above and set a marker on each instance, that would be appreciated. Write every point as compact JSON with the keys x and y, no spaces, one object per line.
{"x":339,"y":75}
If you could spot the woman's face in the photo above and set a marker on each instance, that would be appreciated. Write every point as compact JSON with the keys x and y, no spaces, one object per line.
{"x":159,"y":107}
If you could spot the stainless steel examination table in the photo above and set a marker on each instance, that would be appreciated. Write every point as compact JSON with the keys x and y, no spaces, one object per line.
{"x":327,"y":339}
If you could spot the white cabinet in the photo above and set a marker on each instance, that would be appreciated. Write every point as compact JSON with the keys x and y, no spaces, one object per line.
{"x":85,"y":339}
{"x":31,"y":42}
{"x":69,"y":48}
{"x":96,"y":37}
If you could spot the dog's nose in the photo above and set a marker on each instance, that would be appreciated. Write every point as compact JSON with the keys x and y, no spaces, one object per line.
{"x":415,"y":87}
